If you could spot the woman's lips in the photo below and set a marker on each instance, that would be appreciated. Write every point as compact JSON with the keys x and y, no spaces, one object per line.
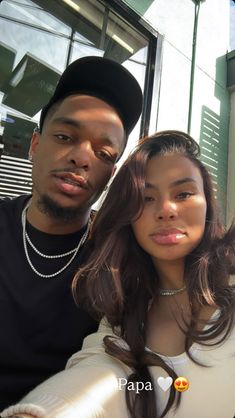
{"x":168,"y":237}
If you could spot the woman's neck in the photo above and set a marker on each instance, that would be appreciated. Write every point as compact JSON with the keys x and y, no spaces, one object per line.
{"x":170,"y":273}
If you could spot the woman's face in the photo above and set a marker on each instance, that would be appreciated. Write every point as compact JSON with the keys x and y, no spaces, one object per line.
{"x":173,"y":219}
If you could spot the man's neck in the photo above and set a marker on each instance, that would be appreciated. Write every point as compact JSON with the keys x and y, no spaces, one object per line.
{"x":43,"y":222}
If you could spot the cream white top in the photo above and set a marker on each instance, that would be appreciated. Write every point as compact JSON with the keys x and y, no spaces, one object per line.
{"x":89,"y":387}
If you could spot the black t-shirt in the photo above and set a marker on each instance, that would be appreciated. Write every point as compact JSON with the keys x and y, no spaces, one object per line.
{"x":40,"y":324}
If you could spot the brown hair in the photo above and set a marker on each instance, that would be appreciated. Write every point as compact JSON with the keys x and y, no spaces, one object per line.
{"x":119,"y":279}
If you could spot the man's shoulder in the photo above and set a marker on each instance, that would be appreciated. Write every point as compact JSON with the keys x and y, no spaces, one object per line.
{"x":4,"y":199}
{"x":7,"y":204}
{"x":11,"y":208}
{"x":11,"y":201}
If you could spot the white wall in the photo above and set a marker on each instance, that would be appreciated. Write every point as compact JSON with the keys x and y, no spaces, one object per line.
{"x":231,"y":160}
{"x":175,"y":20}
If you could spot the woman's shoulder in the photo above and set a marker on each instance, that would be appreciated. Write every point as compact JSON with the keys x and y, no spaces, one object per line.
{"x":232,"y":280}
{"x":93,"y":348}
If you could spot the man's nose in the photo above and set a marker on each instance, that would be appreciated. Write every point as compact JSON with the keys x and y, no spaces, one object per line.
{"x":166,"y":209}
{"x":81,"y":154}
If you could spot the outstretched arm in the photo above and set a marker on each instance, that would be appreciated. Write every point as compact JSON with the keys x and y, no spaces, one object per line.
{"x":89,"y":388}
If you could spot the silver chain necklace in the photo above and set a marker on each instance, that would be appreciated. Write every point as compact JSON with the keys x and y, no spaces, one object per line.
{"x":27,"y":239}
{"x":171,"y":292}
{"x":46,"y":255}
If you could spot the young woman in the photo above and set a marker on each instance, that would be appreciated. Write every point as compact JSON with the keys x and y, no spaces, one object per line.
{"x":160,"y":273}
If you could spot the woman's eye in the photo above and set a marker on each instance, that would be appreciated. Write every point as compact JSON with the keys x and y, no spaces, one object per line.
{"x":184,"y":195}
{"x":148,"y":199}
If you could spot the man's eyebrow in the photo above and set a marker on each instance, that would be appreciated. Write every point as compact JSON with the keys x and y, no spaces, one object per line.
{"x":173,"y":184}
{"x":67,"y":121}
{"x":107,"y":141}
{"x":77,"y":124}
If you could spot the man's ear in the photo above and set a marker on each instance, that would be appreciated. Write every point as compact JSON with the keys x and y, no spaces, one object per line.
{"x":110,"y":179}
{"x":33,"y":145}
{"x":114,"y":170}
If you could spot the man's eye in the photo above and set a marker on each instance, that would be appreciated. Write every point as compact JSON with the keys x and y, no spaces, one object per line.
{"x":104,"y":155}
{"x":64,"y":138}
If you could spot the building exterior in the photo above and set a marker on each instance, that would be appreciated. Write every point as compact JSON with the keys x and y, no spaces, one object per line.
{"x":177,"y":50}
{"x":231,"y":88}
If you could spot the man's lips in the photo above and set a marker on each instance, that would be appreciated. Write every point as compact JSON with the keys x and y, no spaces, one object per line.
{"x":168,"y":236}
{"x":71,"y":184}
{"x":73,"y":179}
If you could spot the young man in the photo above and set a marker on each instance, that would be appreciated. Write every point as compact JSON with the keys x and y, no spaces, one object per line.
{"x":83,"y":131}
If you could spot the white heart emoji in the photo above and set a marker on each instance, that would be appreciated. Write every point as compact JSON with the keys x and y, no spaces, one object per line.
{"x":165,"y":382}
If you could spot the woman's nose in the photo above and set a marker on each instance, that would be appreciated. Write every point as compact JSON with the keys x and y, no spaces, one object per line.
{"x":166,"y":209}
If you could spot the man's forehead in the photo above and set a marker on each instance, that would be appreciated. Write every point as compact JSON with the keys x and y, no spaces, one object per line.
{"x":90,"y":109}
{"x":76,"y":123}
{"x":89,"y":101}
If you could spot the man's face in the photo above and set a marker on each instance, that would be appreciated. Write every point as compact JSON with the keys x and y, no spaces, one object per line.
{"x":74,"y":156}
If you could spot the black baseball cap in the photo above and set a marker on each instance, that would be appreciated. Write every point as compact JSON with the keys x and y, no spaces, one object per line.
{"x":105,"y":79}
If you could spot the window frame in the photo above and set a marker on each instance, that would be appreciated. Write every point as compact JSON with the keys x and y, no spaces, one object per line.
{"x":151,"y":91}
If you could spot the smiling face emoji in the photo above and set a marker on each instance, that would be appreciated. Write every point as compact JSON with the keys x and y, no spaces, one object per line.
{"x":181,"y":384}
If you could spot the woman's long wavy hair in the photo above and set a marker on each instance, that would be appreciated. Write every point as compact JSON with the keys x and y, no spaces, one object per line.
{"x":119,"y":280}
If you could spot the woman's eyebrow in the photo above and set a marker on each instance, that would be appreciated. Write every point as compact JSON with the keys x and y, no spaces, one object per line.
{"x":173,"y":184}
{"x":183,"y":180}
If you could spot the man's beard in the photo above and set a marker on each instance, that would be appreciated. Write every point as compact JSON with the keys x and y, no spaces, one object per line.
{"x":53,"y":210}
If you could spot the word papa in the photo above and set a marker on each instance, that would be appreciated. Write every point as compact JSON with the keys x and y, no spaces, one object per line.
{"x":136,"y":386}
